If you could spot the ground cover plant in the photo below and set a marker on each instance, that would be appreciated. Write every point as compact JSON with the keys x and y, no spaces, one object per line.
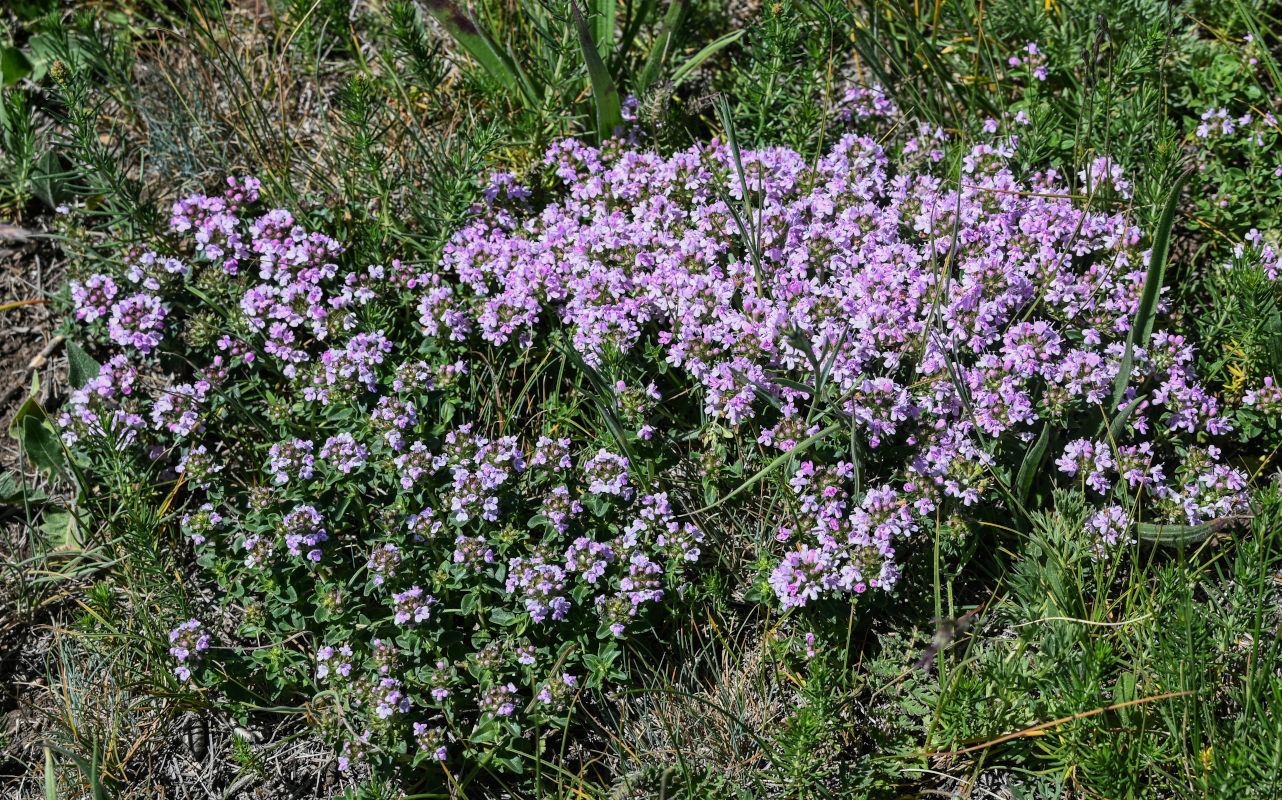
{"x":813,"y":400}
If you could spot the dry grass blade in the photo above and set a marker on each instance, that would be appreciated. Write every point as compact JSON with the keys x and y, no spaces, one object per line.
{"x":1037,"y":729}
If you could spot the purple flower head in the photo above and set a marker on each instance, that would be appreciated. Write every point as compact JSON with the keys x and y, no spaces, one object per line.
{"x":188,"y":643}
{"x":137,"y":321}
{"x":412,"y":606}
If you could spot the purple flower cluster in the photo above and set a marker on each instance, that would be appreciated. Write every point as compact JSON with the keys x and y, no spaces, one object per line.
{"x":499,"y":700}
{"x":302,"y":531}
{"x":93,"y":298}
{"x":1032,"y":59}
{"x":540,"y":585}
{"x":938,"y":324}
{"x":200,"y":524}
{"x":382,"y":563}
{"x":557,"y":694}
{"x":412,"y":606}
{"x":188,"y":643}
{"x":944,"y":317}
{"x":291,"y":460}
{"x":137,"y":322}
{"x":607,"y":473}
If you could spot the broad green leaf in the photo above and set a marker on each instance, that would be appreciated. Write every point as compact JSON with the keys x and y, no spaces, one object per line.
{"x":81,"y":368}
{"x":43,"y":51}
{"x":14,"y":65}
{"x":1031,"y":463}
{"x":14,"y":491}
{"x":61,"y":530}
{"x":603,"y":16}
{"x":605,"y":95}
{"x":47,"y":178}
{"x":40,"y":443}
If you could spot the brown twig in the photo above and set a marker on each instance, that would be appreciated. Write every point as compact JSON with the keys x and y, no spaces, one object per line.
{"x":34,"y":364}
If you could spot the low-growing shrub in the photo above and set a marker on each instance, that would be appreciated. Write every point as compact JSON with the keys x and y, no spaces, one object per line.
{"x":439,"y":498}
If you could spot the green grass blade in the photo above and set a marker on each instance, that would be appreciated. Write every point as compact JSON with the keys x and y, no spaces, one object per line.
{"x":51,"y":780}
{"x":748,"y":228}
{"x":605,"y":95}
{"x":687,"y":69}
{"x":662,"y":44}
{"x":477,"y":43}
{"x":1031,"y":463}
{"x":767,"y":469}
{"x":603,"y":396}
{"x":1118,"y":424}
{"x":603,"y":15}
{"x":1146,"y":312}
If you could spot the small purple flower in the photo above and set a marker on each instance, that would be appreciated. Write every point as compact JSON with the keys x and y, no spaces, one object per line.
{"x":93,"y":298}
{"x":136,"y":322}
{"x":412,"y":606}
{"x":303,"y":532}
{"x":188,"y":643}
{"x":382,"y":563}
{"x":499,"y":700}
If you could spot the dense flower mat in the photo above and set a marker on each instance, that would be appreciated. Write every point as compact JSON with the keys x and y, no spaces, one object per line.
{"x":467,"y":482}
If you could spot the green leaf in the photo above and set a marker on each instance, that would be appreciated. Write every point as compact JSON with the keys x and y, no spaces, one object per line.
{"x":62,"y":530}
{"x":43,"y":49}
{"x":481,"y":47}
{"x":1146,"y":312}
{"x":681,"y":73}
{"x":47,"y":178}
{"x":467,"y":604}
{"x":1180,"y":535}
{"x":11,"y":489}
{"x":605,"y":95}
{"x":14,"y":66}
{"x":40,"y":443}
{"x":1124,"y":691}
{"x":662,"y":44}
{"x":29,"y":407}
{"x":81,"y":368}
{"x":1118,"y":424}
{"x":1031,"y":463}
{"x":603,"y":18}
{"x":503,"y":617}
{"x":51,"y":780}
